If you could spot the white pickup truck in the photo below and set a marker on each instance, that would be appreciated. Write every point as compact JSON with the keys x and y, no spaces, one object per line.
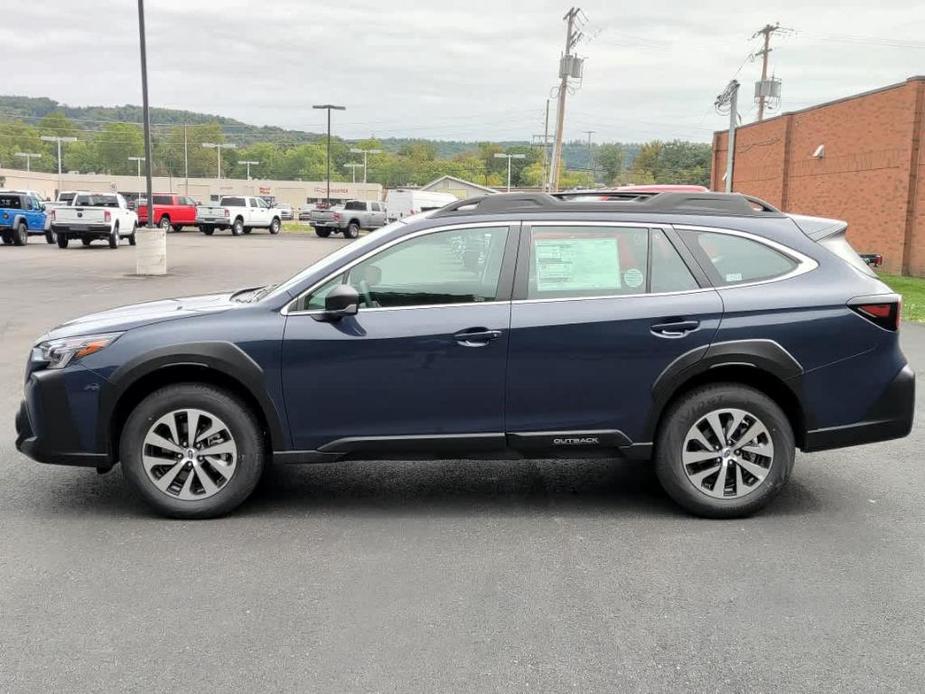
{"x":240,"y":213}
{"x":94,"y":216}
{"x":348,"y":218}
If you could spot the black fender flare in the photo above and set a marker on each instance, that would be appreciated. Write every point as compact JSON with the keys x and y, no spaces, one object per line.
{"x":766,"y":356}
{"x":223,"y":357}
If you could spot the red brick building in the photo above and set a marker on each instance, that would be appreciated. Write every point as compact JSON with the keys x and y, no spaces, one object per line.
{"x":870,"y":171}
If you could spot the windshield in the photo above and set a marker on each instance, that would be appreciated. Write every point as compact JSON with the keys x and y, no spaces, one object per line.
{"x":331,"y":261}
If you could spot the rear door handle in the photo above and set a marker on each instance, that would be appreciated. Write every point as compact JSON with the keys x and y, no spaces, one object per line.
{"x":675,"y":329}
{"x":476,"y":337}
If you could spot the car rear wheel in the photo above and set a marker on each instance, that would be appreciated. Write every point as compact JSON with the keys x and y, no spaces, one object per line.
{"x":62,"y":240}
{"x":50,"y":236}
{"x":86,"y":242}
{"x":165,"y":223}
{"x":238,"y":227}
{"x":207,"y":230}
{"x":323,"y":233}
{"x":352,"y":230}
{"x":131,"y":238}
{"x":21,"y":237}
{"x":192,"y":451}
{"x":724,"y":451}
{"x":114,"y":237}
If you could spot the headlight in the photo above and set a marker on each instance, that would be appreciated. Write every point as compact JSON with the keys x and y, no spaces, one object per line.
{"x":56,"y":354}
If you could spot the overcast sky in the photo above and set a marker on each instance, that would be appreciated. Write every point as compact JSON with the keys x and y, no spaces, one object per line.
{"x":478,"y":70}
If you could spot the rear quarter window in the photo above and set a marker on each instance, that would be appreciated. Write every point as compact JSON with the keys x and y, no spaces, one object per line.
{"x":11,"y":202}
{"x":733,"y":260}
{"x":162,"y":200}
{"x":233,"y":202}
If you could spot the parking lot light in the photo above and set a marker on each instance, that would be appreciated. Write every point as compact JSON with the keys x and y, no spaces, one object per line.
{"x":329,"y":108}
{"x":219,"y":146}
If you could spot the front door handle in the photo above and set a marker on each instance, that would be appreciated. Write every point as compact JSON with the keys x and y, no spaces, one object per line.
{"x":476,"y":337}
{"x":675,"y":329}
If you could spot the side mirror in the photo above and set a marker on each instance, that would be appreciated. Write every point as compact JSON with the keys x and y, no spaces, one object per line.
{"x":341,"y":301}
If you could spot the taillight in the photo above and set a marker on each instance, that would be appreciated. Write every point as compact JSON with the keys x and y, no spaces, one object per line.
{"x":336,"y":215}
{"x":886,"y":315}
{"x":106,"y":216}
{"x":227,"y":214}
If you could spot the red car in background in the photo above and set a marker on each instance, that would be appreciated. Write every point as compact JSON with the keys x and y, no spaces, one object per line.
{"x":171,"y":211}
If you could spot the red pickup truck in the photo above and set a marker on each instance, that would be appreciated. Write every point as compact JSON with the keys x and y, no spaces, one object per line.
{"x":171,"y":211}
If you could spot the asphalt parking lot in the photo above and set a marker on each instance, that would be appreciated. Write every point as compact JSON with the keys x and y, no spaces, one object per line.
{"x":454,"y":576}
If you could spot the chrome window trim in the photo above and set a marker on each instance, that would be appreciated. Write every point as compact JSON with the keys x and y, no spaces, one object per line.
{"x":423,"y":232}
{"x":644,"y":295}
{"x":803,"y":262}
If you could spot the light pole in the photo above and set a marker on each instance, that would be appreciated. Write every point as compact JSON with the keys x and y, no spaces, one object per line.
{"x":138,"y":161}
{"x":329,"y":108}
{"x":29,"y":156}
{"x":248,"y":163}
{"x":365,"y":152}
{"x":590,"y":156}
{"x":355,"y":167}
{"x":499,"y":155}
{"x":59,"y":140}
{"x":219,"y":146}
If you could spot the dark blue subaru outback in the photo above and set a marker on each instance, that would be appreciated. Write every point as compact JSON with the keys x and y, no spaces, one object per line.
{"x":710,"y":333}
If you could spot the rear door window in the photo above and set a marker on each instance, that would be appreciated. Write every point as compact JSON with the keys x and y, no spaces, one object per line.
{"x":669,"y":272}
{"x":162,"y":199}
{"x":233,"y":202}
{"x":732,"y":259}
{"x":587,"y":261}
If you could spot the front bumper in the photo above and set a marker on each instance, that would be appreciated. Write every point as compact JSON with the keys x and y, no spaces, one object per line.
{"x":57,"y":421}
{"x":890,"y":417}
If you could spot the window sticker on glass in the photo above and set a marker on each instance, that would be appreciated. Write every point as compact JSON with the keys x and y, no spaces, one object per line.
{"x":564,"y":264}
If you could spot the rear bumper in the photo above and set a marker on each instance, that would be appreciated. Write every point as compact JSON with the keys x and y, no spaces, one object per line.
{"x":890,"y":417}
{"x":85,"y":230}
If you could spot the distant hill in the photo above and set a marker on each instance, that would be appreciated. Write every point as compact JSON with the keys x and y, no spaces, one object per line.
{"x":33,"y":109}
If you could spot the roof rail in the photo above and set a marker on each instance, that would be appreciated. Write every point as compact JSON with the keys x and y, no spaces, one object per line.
{"x":733,"y":204}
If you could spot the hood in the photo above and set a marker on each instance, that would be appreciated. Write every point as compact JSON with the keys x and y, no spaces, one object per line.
{"x":136,"y":315}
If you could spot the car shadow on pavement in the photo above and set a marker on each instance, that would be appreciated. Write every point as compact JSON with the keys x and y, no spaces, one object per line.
{"x":573,"y":487}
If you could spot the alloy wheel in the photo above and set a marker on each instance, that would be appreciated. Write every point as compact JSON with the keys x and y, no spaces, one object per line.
{"x":189,"y":454}
{"x":727,"y":453}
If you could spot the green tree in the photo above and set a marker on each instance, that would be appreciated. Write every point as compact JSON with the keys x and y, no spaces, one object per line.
{"x":115,"y":144}
{"x":16,"y":136}
{"x":610,"y":160}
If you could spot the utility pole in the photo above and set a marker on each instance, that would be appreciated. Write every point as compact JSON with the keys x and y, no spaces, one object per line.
{"x":59,"y":140}
{"x":248,"y":164}
{"x":364,"y":152}
{"x":499,"y":155}
{"x":569,"y":66}
{"x":219,"y":146}
{"x":186,"y":158}
{"x":590,"y":156}
{"x":354,"y":168}
{"x":729,"y":99}
{"x":137,"y":161}
{"x":329,"y":108}
{"x":29,"y":156}
{"x":766,"y":31}
{"x":546,"y":149}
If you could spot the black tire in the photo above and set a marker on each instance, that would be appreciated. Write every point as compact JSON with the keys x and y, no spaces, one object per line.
{"x":165,"y":223}
{"x":62,"y":240}
{"x":86,"y":242}
{"x":323,"y":233}
{"x":114,"y":237}
{"x":238,"y":227}
{"x":21,"y":235}
{"x":242,"y":425}
{"x":7,"y":238}
{"x":352,"y":231}
{"x":51,"y":237}
{"x":131,"y":238}
{"x":177,"y":227}
{"x":206,"y":229}
{"x":275,"y":226}
{"x":685,"y":412}
{"x":248,"y":230}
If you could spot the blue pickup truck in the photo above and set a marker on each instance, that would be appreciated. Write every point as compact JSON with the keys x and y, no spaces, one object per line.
{"x":21,"y":214}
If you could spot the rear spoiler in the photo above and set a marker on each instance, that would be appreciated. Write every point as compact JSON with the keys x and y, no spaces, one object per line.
{"x":818,"y":228}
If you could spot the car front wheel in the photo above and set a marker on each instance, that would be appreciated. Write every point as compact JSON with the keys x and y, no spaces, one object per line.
{"x":192,"y":451}
{"x":724,"y":450}
{"x":274,"y":226}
